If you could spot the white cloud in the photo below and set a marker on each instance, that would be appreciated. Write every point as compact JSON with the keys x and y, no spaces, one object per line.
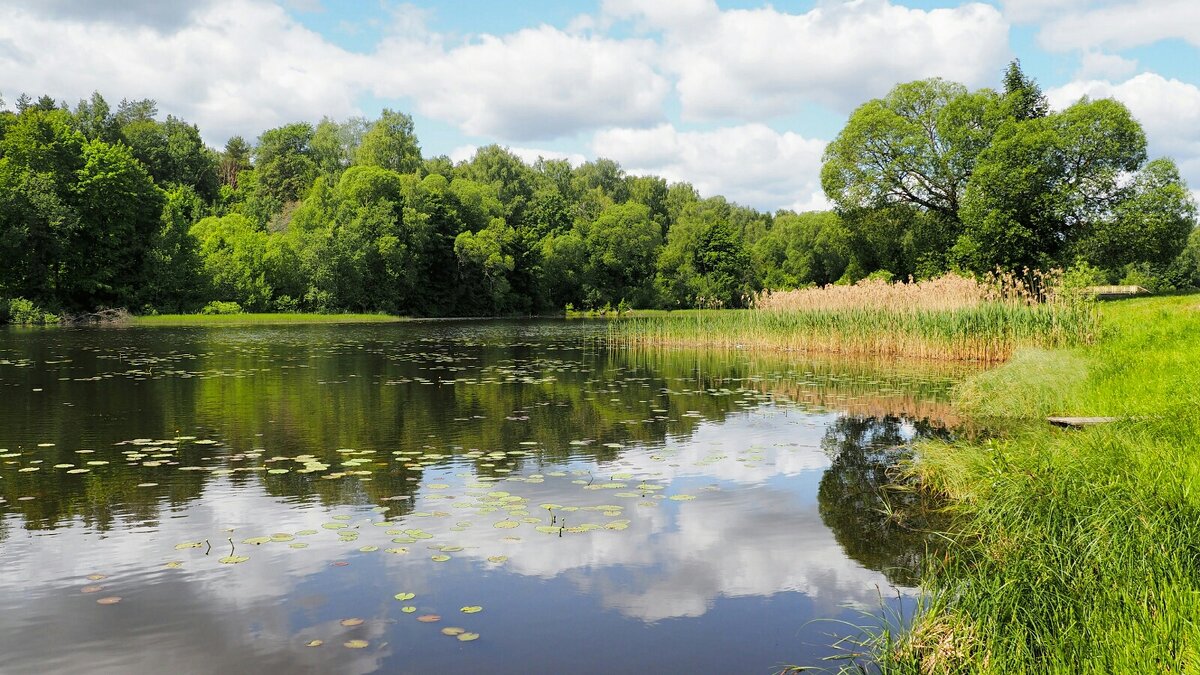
{"x":1098,"y":65}
{"x":1125,"y":25}
{"x":1168,"y":109}
{"x":214,"y":71}
{"x":750,"y":164}
{"x":535,"y":83}
{"x":243,"y":66}
{"x":748,"y":64}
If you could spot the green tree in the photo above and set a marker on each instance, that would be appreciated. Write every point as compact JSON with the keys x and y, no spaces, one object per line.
{"x":705,"y":262}
{"x":802,"y":249}
{"x":119,"y":209}
{"x":1150,"y":224}
{"x":1022,"y":95}
{"x":1041,"y":183}
{"x":390,"y":142}
{"x":622,"y":251}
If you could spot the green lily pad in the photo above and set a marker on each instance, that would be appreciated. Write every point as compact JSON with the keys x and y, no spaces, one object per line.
{"x":405,"y":596}
{"x":233,"y":559}
{"x":355,"y":644}
{"x":471,"y":609}
{"x":468,"y":637}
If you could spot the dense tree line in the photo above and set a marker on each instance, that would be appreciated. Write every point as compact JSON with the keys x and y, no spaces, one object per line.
{"x":120,"y":208}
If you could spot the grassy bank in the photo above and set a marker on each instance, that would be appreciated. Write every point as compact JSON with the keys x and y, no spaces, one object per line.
{"x":256,"y":319}
{"x":1075,"y":551}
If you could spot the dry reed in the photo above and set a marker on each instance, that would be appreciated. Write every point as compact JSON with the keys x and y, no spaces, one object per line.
{"x":950,"y":318}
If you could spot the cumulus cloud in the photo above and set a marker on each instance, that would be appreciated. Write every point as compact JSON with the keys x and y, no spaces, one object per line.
{"x":214,"y":71}
{"x":1098,"y":65}
{"x":1125,"y":25}
{"x":536,"y":83}
{"x":157,"y":14}
{"x":242,"y":66}
{"x":749,"y":64}
{"x":750,"y":164}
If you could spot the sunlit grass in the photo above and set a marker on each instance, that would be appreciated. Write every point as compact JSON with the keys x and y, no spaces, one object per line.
{"x":1075,"y":551}
{"x":257,"y":319}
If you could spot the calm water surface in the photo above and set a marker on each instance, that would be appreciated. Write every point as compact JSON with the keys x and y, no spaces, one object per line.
{"x":247,"y":492}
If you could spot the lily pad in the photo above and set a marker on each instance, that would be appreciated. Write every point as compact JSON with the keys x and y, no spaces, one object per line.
{"x":111,"y":600}
{"x":453,"y":630}
{"x":471,"y":609}
{"x":506,"y":524}
{"x":314,"y":643}
{"x":439,"y":558}
{"x":355,"y":644}
{"x":429,"y":618}
{"x":405,"y":596}
{"x":408,"y":609}
{"x":468,"y":637}
{"x":349,"y":623}
{"x":233,"y":559}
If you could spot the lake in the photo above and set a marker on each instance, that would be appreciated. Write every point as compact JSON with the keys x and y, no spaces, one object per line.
{"x":444,"y":496}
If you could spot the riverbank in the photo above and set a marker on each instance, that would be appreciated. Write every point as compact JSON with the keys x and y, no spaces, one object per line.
{"x":257,"y":319}
{"x":1074,"y":550}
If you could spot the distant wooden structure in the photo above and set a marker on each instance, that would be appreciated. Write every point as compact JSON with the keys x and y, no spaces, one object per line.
{"x":1115,"y":292}
{"x":1079,"y":422}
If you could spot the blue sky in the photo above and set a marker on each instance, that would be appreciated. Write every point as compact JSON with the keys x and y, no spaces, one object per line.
{"x":738,"y":97}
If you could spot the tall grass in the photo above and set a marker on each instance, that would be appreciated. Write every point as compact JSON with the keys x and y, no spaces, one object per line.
{"x":951,"y":318}
{"x":1074,"y":551}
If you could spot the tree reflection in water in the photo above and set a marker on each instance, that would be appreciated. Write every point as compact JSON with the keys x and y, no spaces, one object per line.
{"x":875,"y":516}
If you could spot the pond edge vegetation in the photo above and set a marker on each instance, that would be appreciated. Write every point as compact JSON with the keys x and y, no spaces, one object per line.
{"x":1071,"y":550}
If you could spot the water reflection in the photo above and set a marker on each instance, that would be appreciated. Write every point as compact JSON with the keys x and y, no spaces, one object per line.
{"x":708,"y":506}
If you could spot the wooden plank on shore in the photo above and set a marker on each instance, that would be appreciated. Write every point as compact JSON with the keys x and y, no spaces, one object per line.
{"x":1079,"y":422}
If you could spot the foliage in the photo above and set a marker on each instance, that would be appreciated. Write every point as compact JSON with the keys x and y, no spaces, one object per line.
{"x":24,"y":313}
{"x":1074,"y":551}
{"x":989,"y":180}
{"x":104,"y":207}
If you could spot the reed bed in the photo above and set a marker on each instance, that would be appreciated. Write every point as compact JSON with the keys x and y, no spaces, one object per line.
{"x":951,"y":318}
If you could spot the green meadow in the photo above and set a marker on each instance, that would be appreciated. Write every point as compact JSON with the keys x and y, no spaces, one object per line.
{"x":1073,"y":551}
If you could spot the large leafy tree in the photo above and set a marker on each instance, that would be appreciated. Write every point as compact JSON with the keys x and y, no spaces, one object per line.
{"x":1043,"y":183}
{"x":996,"y":180}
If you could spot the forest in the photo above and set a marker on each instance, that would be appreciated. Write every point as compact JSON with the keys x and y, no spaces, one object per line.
{"x":122,"y":208}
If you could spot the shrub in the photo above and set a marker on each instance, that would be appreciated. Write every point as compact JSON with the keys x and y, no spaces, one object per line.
{"x":218,"y":307}
{"x":24,"y":312}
